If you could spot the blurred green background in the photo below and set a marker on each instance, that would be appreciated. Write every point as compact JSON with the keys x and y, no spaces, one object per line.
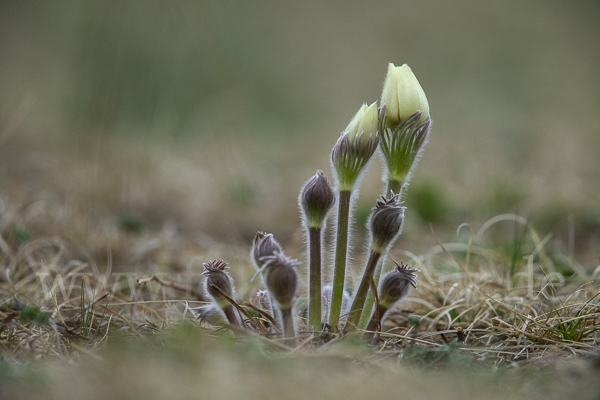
{"x":212,"y":114}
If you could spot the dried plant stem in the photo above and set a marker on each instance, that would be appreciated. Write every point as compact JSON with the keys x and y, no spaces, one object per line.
{"x":289,"y":326}
{"x":341,"y":249}
{"x":314,"y":284}
{"x":362,"y":291}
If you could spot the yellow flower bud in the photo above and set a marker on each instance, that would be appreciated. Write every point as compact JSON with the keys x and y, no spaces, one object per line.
{"x":364,"y":121}
{"x":403,"y":95}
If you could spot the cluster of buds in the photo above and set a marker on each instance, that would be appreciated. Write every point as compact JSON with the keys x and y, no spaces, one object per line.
{"x":400,"y":128}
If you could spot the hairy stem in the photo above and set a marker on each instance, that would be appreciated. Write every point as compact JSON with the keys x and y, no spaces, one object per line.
{"x":232,"y":317}
{"x":395,"y":186}
{"x":314,"y":281}
{"x":368,"y":303}
{"x":361,"y":291}
{"x":289,"y":327}
{"x":341,"y":249}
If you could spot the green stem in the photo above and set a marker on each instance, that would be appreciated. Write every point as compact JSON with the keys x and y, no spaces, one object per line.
{"x":395,"y":186}
{"x":361,"y":291}
{"x":341,"y":250}
{"x":314,"y":282}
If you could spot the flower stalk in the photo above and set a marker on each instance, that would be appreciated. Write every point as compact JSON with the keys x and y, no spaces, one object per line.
{"x":349,"y":157}
{"x":316,"y":199}
{"x":282,"y":283}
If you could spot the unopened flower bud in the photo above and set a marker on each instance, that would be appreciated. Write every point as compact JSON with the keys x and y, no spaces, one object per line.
{"x":281,"y":279}
{"x":208,"y":313}
{"x":363,"y":123}
{"x":316,"y":199}
{"x":386,"y":222}
{"x":216,"y":277}
{"x":402,"y":95}
{"x":264,"y":245}
{"x":396,"y":285}
{"x":219,"y":286}
{"x":356,"y":146}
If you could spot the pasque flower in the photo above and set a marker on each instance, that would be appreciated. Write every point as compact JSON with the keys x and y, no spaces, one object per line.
{"x":404,"y":125}
{"x":402,"y":95}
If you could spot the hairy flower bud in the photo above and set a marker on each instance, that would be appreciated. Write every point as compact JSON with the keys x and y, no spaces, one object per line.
{"x":281,"y":279}
{"x":396,"y":285}
{"x":219,"y":286}
{"x":403,"y":95}
{"x":316,"y":199}
{"x":356,"y":146}
{"x":264,"y":245}
{"x":386,"y":222}
{"x":215,"y":274}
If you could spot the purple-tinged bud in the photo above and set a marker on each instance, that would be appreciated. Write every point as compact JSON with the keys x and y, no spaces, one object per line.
{"x":316,"y":199}
{"x":396,"y":285}
{"x":386,"y":223}
{"x":264,"y":245}
{"x":215,"y":274}
{"x":281,"y":279}
{"x":219,"y":285}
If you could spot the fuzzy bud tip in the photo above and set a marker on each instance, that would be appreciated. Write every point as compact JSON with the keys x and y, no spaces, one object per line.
{"x":316,"y":199}
{"x":396,"y":284}
{"x":386,"y":222}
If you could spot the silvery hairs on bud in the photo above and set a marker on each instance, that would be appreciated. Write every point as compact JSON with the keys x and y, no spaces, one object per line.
{"x":396,"y":284}
{"x":215,"y":274}
{"x":281,"y":279}
{"x":316,"y":199}
{"x":386,"y":222}
{"x":219,"y":285}
{"x":264,"y":245}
